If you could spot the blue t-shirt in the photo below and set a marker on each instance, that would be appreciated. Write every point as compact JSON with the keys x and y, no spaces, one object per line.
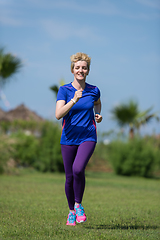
{"x":78,"y":124}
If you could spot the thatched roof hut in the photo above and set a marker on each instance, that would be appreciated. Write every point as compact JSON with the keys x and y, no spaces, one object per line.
{"x":2,"y":113}
{"x":3,"y":116}
{"x":20,"y":112}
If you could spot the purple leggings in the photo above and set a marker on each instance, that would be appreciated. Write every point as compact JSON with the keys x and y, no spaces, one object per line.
{"x":75,"y":159}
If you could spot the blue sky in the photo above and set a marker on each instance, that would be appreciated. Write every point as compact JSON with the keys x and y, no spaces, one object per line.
{"x":121,"y":37}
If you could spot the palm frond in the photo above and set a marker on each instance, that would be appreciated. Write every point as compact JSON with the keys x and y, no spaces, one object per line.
{"x":55,"y":89}
{"x":9,"y":65}
{"x":125,"y":113}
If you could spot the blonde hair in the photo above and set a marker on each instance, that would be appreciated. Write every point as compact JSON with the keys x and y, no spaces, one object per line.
{"x":80,"y":57}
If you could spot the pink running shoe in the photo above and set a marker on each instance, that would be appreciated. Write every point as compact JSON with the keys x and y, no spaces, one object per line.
{"x":80,"y":214}
{"x":71,"y":220}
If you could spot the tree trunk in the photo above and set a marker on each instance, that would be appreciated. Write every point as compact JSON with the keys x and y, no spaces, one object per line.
{"x":131,"y":133}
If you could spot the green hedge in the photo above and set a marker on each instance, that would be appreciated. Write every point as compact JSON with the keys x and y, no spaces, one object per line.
{"x":138,"y":157}
{"x":19,"y":124}
{"x":42,"y":153}
{"x":6,"y":152}
{"x":26,"y":149}
{"x":49,"y":153}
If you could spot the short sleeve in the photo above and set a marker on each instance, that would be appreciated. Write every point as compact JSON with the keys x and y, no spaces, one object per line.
{"x":61,"y":94}
{"x":98,"y":94}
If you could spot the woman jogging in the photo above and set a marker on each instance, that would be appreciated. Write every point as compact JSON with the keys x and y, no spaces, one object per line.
{"x":75,"y":104}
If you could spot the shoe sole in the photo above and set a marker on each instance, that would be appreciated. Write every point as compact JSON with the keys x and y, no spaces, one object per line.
{"x":81,"y":221}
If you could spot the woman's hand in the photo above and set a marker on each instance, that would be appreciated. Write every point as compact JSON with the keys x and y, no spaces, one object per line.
{"x":98,"y":118}
{"x":77,"y":95}
{"x":63,"y":108}
{"x":97,"y":109}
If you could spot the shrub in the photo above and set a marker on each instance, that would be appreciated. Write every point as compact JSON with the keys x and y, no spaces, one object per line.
{"x":26,"y":149}
{"x":19,"y":125}
{"x":99,"y":160}
{"x":4,"y":126}
{"x":49,"y":156}
{"x":42,"y":152}
{"x":6,"y":152}
{"x":137,"y":157}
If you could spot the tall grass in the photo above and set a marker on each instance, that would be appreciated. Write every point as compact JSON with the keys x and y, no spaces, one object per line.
{"x":33,"y":206}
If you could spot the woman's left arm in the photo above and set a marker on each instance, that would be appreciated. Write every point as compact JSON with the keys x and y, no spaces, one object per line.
{"x":97,"y":109}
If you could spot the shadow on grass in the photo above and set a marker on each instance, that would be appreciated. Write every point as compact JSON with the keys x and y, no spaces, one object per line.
{"x":103,"y":226}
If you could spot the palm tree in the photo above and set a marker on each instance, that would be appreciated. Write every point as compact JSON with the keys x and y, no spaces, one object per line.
{"x":129,"y":115}
{"x":9,"y":65}
{"x":55,"y":88}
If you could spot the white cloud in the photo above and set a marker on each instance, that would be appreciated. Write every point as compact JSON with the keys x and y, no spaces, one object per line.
{"x":59,"y":30}
{"x":96,"y":7}
{"x":102,"y":7}
{"x":8,"y":20}
{"x":5,"y":3}
{"x":152,"y":57}
{"x":8,"y":16}
{"x":150,"y":3}
{"x":12,"y":16}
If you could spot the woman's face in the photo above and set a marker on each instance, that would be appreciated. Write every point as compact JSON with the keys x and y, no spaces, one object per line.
{"x":80,"y":70}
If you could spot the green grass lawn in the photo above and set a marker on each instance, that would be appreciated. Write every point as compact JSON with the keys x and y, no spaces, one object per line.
{"x":34,"y":206}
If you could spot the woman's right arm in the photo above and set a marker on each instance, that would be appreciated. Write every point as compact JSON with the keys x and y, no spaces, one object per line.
{"x":62,"y":109}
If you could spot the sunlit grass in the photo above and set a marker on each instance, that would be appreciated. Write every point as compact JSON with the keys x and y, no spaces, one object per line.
{"x":33,"y":206}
